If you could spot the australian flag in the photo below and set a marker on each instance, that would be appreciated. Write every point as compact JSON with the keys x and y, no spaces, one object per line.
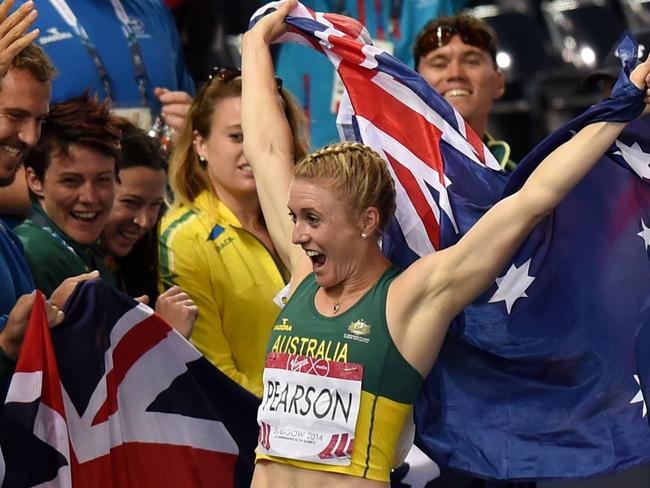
{"x":538,"y":378}
{"x":642,"y":350}
{"x":118,"y":398}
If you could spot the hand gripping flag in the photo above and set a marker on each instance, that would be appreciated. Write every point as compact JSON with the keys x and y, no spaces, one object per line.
{"x":132,"y":404}
{"x":536,"y":379}
{"x":428,"y":145}
{"x":33,"y":423}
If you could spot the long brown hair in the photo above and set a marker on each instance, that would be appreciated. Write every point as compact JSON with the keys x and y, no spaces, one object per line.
{"x":187,"y":177}
{"x":139,"y":268}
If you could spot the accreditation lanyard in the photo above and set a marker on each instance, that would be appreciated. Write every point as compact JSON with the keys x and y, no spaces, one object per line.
{"x":141,"y":78}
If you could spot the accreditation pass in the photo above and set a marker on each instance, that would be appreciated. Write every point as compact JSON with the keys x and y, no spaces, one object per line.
{"x":309,"y":409}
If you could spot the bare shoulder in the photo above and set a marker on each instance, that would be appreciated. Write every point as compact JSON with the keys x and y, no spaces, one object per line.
{"x":421,"y":283}
{"x":416,"y":310}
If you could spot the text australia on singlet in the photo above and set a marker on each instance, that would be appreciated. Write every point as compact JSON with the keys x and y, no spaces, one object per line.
{"x":307,"y":346}
{"x":311,"y":399}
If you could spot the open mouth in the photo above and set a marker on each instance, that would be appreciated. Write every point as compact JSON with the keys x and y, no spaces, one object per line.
{"x":129,"y":235}
{"x":246,"y":168}
{"x":456,"y":92}
{"x":13,"y":151}
{"x":85,"y":217}
{"x":318,"y":259}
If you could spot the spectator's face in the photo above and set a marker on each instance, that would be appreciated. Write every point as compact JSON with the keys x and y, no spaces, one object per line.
{"x":77,"y":191}
{"x":138,"y":199}
{"x":24,"y":101}
{"x":229,"y":172}
{"x":466,"y":76}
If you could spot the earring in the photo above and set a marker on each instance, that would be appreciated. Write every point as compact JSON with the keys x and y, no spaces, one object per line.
{"x":202,"y":159}
{"x":364,"y":236}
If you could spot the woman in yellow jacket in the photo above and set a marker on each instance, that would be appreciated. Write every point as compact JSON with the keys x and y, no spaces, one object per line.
{"x":214,"y":243}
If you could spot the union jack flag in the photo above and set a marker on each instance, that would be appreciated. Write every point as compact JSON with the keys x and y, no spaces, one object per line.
{"x":118,"y":398}
{"x":536,"y":379}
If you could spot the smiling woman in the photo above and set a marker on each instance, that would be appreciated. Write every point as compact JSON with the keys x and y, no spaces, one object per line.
{"x":214,"y":243}
{"x":357,"y":335}
{"x":129,"y":239}
{"x":71,"y":179}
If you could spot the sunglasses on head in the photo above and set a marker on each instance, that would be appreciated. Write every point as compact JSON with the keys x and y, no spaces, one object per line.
{"x":441,"y":35}
{"x":224,"y":75}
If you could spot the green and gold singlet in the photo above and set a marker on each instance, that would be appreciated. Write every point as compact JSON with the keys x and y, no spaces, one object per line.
{"x":358,"y":336}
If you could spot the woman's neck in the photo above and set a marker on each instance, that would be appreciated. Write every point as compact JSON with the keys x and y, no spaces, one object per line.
{"x":247,"y":210}
{"x":249,"y":214}
{"x":366,"y":274}
{"x":337,"y":299}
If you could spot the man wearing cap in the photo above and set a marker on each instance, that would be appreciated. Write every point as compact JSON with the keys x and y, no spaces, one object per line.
{"x":457,"y":56}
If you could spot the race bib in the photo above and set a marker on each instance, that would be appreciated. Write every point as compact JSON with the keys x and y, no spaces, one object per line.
{"x":309,"y":409}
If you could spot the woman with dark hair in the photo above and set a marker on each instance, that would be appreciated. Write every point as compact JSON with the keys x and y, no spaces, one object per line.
{"x":214,"y":243}
{"x":71,"y":179}
{"x":349,"y":351}
{"x":130,"y":238}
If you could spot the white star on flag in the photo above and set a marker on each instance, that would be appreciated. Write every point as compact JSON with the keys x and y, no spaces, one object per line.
{"x":513,"y":285}
{"x":645,"y":234}
{"x":638,"y":160}
{"x":638,"y":398}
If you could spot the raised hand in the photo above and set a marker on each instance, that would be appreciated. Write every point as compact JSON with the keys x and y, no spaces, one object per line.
{"x":13,"y":31}
{"x":175,"y":105}
{"x":272,"y":26}
{"x":640,"y":76}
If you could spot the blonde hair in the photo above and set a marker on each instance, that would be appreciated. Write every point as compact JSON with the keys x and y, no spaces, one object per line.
{"x":187,"y":176}
{"x":357,"y":173}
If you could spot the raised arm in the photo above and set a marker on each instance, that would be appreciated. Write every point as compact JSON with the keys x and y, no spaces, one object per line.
{"x":442,"y":284}
{"x":13,"y":31}
{"x":268,"y":141}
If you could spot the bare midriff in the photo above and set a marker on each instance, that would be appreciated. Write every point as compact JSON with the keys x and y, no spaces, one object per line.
{"x":275,"y":475}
